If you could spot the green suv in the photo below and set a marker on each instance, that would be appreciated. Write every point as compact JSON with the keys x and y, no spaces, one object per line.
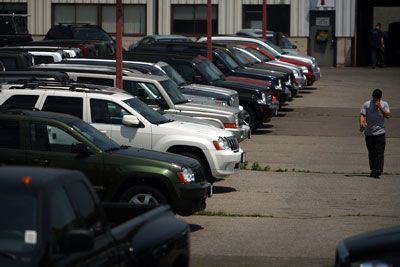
{"x":119,"y":173}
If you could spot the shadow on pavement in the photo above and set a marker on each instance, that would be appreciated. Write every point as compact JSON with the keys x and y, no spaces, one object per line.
{"x":286,"y":109}
{"x":266,"y":126}
{"x":305,"y":92}
{"x":223,"y":189}
{"x":195,"y":227}
{"x":261,"y":131}
{"x":309,"y":88}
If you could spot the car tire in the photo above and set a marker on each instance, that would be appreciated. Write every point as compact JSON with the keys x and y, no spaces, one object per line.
{"x":251,"y":119}
{"x":144,"y":195}
{"x":203,"y":164}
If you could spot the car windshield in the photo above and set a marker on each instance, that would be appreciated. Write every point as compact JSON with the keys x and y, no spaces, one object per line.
{"x":210,"y":71}
{"x":93,"y":135}
{"x":240,"y":57}
{"x":268,"y":50}
{"x":259,"y":55}
{"x":172,"y":90}
{"x":18,"y":232}
{"x":232,"y":64}
{"x":147,"y":112}
{"x":248,"y":57}
{"x":285,"y":43}
{"x":91,"y":34}
{"x":174,"y":75}
{"x":275,"y":47}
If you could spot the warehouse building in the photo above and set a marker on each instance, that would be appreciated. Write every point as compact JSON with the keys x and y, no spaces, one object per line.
{"x":333,"y":31}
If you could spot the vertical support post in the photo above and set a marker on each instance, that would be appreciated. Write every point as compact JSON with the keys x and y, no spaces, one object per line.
{"x":264,"y":19}
{"x":119,"y":45}
{"x":209,"y":30}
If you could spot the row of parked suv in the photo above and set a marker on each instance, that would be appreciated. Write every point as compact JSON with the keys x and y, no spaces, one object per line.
{"x":173,"y":130}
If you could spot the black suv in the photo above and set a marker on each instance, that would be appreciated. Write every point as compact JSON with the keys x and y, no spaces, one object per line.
{"x":84,"y":32}
{"x":120,"y":173}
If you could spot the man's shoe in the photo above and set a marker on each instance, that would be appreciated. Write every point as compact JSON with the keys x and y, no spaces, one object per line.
{"x":372,"y":174}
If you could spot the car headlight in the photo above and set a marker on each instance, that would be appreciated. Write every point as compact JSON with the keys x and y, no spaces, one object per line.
{"x":221,"y":144}
{"x":304,"y":69}
{"x":186,"y":175}
{"x":221,"y":103}
{"x":288,"y":82}
{"x":232,"y":101}
{"x":373,"y":264}
{"x":296,"y":73}
{"x":237,"y":119}
{"x":278,"y":86}
{"x":263,"y":99}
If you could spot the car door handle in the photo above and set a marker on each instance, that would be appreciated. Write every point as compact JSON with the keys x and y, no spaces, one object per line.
{"x":40,"y":161}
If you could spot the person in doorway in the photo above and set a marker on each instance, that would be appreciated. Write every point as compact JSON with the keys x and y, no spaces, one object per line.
{"x":372,"y":115}
{"x":377,"y":46}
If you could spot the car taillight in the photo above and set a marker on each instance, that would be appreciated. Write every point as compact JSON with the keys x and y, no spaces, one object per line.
{"x":273,"y":98}
{"x":26,"y":180}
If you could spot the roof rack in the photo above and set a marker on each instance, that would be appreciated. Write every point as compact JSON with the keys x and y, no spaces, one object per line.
{"x":75,"y":24}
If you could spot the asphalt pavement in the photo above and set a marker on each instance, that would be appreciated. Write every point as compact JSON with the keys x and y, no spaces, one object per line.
{"x":312,"y":187}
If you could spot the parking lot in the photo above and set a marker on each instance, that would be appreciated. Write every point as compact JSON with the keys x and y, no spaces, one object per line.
{"x":312,"y":188}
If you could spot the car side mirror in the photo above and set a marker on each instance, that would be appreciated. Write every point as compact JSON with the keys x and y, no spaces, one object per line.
{"x":294,"y":46}
{"x":197,"y":79}
{"x":80,"y":148}
{"x":131,"y":120}
{"x":221,"y":67}
{"x":76,"y":241}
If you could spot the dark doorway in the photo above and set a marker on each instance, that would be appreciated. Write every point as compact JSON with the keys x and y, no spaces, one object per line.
{"x":367,"y":11}
{"x":278,"y":17}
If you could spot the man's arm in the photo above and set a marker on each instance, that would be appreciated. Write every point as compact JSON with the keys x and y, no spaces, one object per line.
{"x":385,"y":113}
{"x":363,"y":122}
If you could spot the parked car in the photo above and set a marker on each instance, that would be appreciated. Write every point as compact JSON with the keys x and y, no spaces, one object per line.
{"x":276,"y":38}
{"x":128,"y":121}
{"x":377,"y":248}
{"x":13,"y":29}
{"x":85,"y":32}
{"x":226,"y":63}
{"x":275,"y":51}
{"x":120,"y":173}
{"x":86,"y":48}
{"x":32,"y":76}
{"x":16,"y":61}
{"x":40,"y":56}
{"x":152,"y":39}
{"x":54,"y":218}
{"x":159,"y":92}
{"x":219,"y":95}
{"x":254,"y":95}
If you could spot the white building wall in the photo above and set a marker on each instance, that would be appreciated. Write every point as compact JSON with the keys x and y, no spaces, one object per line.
{"x":299,"y":18}
{"x":345,"y":18}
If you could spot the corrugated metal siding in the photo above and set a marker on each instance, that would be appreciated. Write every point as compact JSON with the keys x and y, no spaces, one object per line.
{"x":191,"y":2}
{"x":345,"y":18}
{"x":269,"y":2}
{"x":39,"y":21}
{"x":229,"y":16}
{"x":299,"y":18}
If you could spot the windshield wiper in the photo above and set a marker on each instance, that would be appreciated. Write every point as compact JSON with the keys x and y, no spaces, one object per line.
{"x":8,"y":255}
{"x":112,"y":149}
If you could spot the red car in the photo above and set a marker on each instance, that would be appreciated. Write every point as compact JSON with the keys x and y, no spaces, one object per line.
{"x":310,"y":74}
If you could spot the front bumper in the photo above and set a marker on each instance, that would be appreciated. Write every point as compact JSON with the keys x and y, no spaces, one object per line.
{"x":192,"y":198}
{"x":225,"y":162}
{"x":284,"y":95}
{"x":242,"y":133}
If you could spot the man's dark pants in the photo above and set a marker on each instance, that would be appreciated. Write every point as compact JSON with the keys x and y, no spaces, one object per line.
{"x":377,"y":57}
{"x":376,"y":150}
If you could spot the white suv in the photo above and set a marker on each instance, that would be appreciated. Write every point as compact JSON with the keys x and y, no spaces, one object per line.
{"x":129,"y":121}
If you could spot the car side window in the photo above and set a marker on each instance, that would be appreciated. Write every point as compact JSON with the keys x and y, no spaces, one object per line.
{"x":64,"y":104}
{"x":94,"y":80}
{"x":63,"y":217}
{"x":146,"y":92}
{"x":21,"y":101}
{"x":104,"y":111}
{"x":9,"y":134}
{"x":50,"y":138}
{"x":87,"y":209}
{"x":187,"y":73}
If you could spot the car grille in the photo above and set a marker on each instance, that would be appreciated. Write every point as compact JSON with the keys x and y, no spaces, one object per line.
{"x":233,"y":143}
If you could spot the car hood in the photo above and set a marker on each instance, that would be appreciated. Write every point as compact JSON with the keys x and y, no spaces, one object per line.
{"x":207,"y":109}
{"x":192,"y":129}
{"x":210,"y":88}
{"x":299,"y":58}
{"x":259,"y":73}
{"x":371,"y":243}
{"x":249,"y":82}
{"x":166,"y":157}
{"x":267,"y":66}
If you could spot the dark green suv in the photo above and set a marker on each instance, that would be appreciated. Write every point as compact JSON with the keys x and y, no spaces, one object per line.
{"x":119,"y":173}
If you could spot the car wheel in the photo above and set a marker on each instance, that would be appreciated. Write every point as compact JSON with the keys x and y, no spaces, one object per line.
{"x":251,"y":120}
{"x":143,"y":195}
{"x":203,"y":164}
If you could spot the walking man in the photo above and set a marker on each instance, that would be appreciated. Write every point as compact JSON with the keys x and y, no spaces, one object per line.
{"x":372,"y":115}
{"x":377,"y":45}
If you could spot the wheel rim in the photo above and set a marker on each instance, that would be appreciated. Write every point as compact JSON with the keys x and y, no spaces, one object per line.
{"x":143,"y":199}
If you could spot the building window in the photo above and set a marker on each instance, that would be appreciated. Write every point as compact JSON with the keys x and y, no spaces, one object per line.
{"x":134,"y":16}
{"x":192,"y":19}
{"x":278,"y":17}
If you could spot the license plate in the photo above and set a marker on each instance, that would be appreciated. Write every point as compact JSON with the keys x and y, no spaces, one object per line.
{"x":210,"y":191}
{"x":243,"y":157}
